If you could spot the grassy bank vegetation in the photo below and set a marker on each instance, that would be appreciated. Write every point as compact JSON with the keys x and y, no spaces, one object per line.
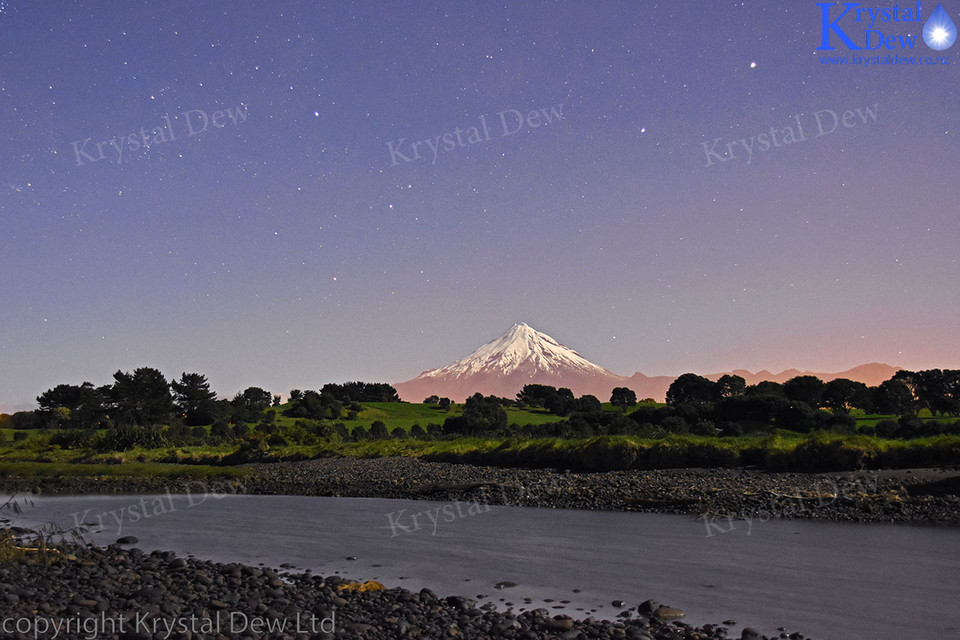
{"x":144,"y":425}
{"x":782,"y":451}
{"x":414,"y":430}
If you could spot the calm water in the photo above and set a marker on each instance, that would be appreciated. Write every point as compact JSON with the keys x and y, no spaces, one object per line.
{"x":829,"y":581}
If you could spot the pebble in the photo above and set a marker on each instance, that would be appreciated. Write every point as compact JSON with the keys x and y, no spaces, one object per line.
{"x":202,"y":588}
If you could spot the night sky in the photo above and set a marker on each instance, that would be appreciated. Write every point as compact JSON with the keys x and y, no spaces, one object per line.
{"x":299,"y":239}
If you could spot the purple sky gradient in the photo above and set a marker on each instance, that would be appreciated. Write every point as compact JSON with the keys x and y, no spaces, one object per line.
{"x":286,"y":250}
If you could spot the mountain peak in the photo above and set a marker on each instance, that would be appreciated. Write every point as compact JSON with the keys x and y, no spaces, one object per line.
{"x":520,"y":346}
{"x":520,"y":355}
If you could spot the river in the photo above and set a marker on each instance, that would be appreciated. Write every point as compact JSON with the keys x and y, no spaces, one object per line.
{"x":830,"y":581}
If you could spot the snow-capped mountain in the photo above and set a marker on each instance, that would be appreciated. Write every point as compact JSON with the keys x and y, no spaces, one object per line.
{"x":522,"y":355}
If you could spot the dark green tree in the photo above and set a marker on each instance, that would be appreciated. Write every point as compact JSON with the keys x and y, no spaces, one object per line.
{"x":893,"y":397}
{"x":480,"y":414}
{"x":589,"y":404}
{"x":691,"y":389}
{"x":805,"y":389}
{"x":842,"y":394}
{"x":561,"y":403}
{"x":623,"y":398}
{"x":361,"y":392}
{"x":535,"y":395}
{"x":251,"y":402}
{"x":86,"y":406}
{"x":731,"y":386}
{"x":194,"y":399}
{"x":765,"y":388}
{"x":142,"y":398}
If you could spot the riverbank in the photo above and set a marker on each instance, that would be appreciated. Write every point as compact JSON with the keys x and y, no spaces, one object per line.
{"x":124,"y":593}
{"x":919,"y":496}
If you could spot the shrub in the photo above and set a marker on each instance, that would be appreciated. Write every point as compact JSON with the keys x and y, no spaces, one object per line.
{"x":731,"y":429}
{"x":819,"y":455}
{"x":378,"y":431}
{"x":675,"y":424}
{"x":887,"y":429}
{"x":297,"y":433}
{"x":124,"y":436}
{"x":220,"y":431}
{"x":602,"y":454}
{"x":842,"y":423}
{"x":910,"y":426}
{"x":253,"y":447}
{"x":71,"y":438}
{"x":704,"y":428}
{"x":267,"y":427}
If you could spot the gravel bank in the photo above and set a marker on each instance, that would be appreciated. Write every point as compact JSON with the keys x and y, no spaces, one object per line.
{"x":904,"y":496}
{"x":119,"y":593}
{"x":919,"y":496}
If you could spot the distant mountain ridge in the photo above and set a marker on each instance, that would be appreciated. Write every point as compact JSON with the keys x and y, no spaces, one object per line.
{"x":656,"y":386}
{"x":522,"y":355}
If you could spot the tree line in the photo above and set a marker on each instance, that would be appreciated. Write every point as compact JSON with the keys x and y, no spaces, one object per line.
{"x":730,"y":407}
{"x":694,"y":404}
{"x":145,"y":398}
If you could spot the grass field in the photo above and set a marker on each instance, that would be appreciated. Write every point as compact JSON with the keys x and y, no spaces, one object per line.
{"x":405,"y":415}
{"x":783,"y":450}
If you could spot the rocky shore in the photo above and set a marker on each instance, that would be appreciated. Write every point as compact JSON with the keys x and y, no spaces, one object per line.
{"x":919,"y":496}
{"x":113,"y":592}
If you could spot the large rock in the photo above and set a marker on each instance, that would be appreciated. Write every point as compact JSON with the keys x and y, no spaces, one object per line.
{"x":647,"y":607}
{"x":668,"y":613}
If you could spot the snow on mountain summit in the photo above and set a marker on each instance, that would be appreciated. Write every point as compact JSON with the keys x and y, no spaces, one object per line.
{"x":521,"y":355}
{"x":521,"y":347}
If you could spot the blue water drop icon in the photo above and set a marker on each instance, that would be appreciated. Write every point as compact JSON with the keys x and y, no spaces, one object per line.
{"x":939,"y":32}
